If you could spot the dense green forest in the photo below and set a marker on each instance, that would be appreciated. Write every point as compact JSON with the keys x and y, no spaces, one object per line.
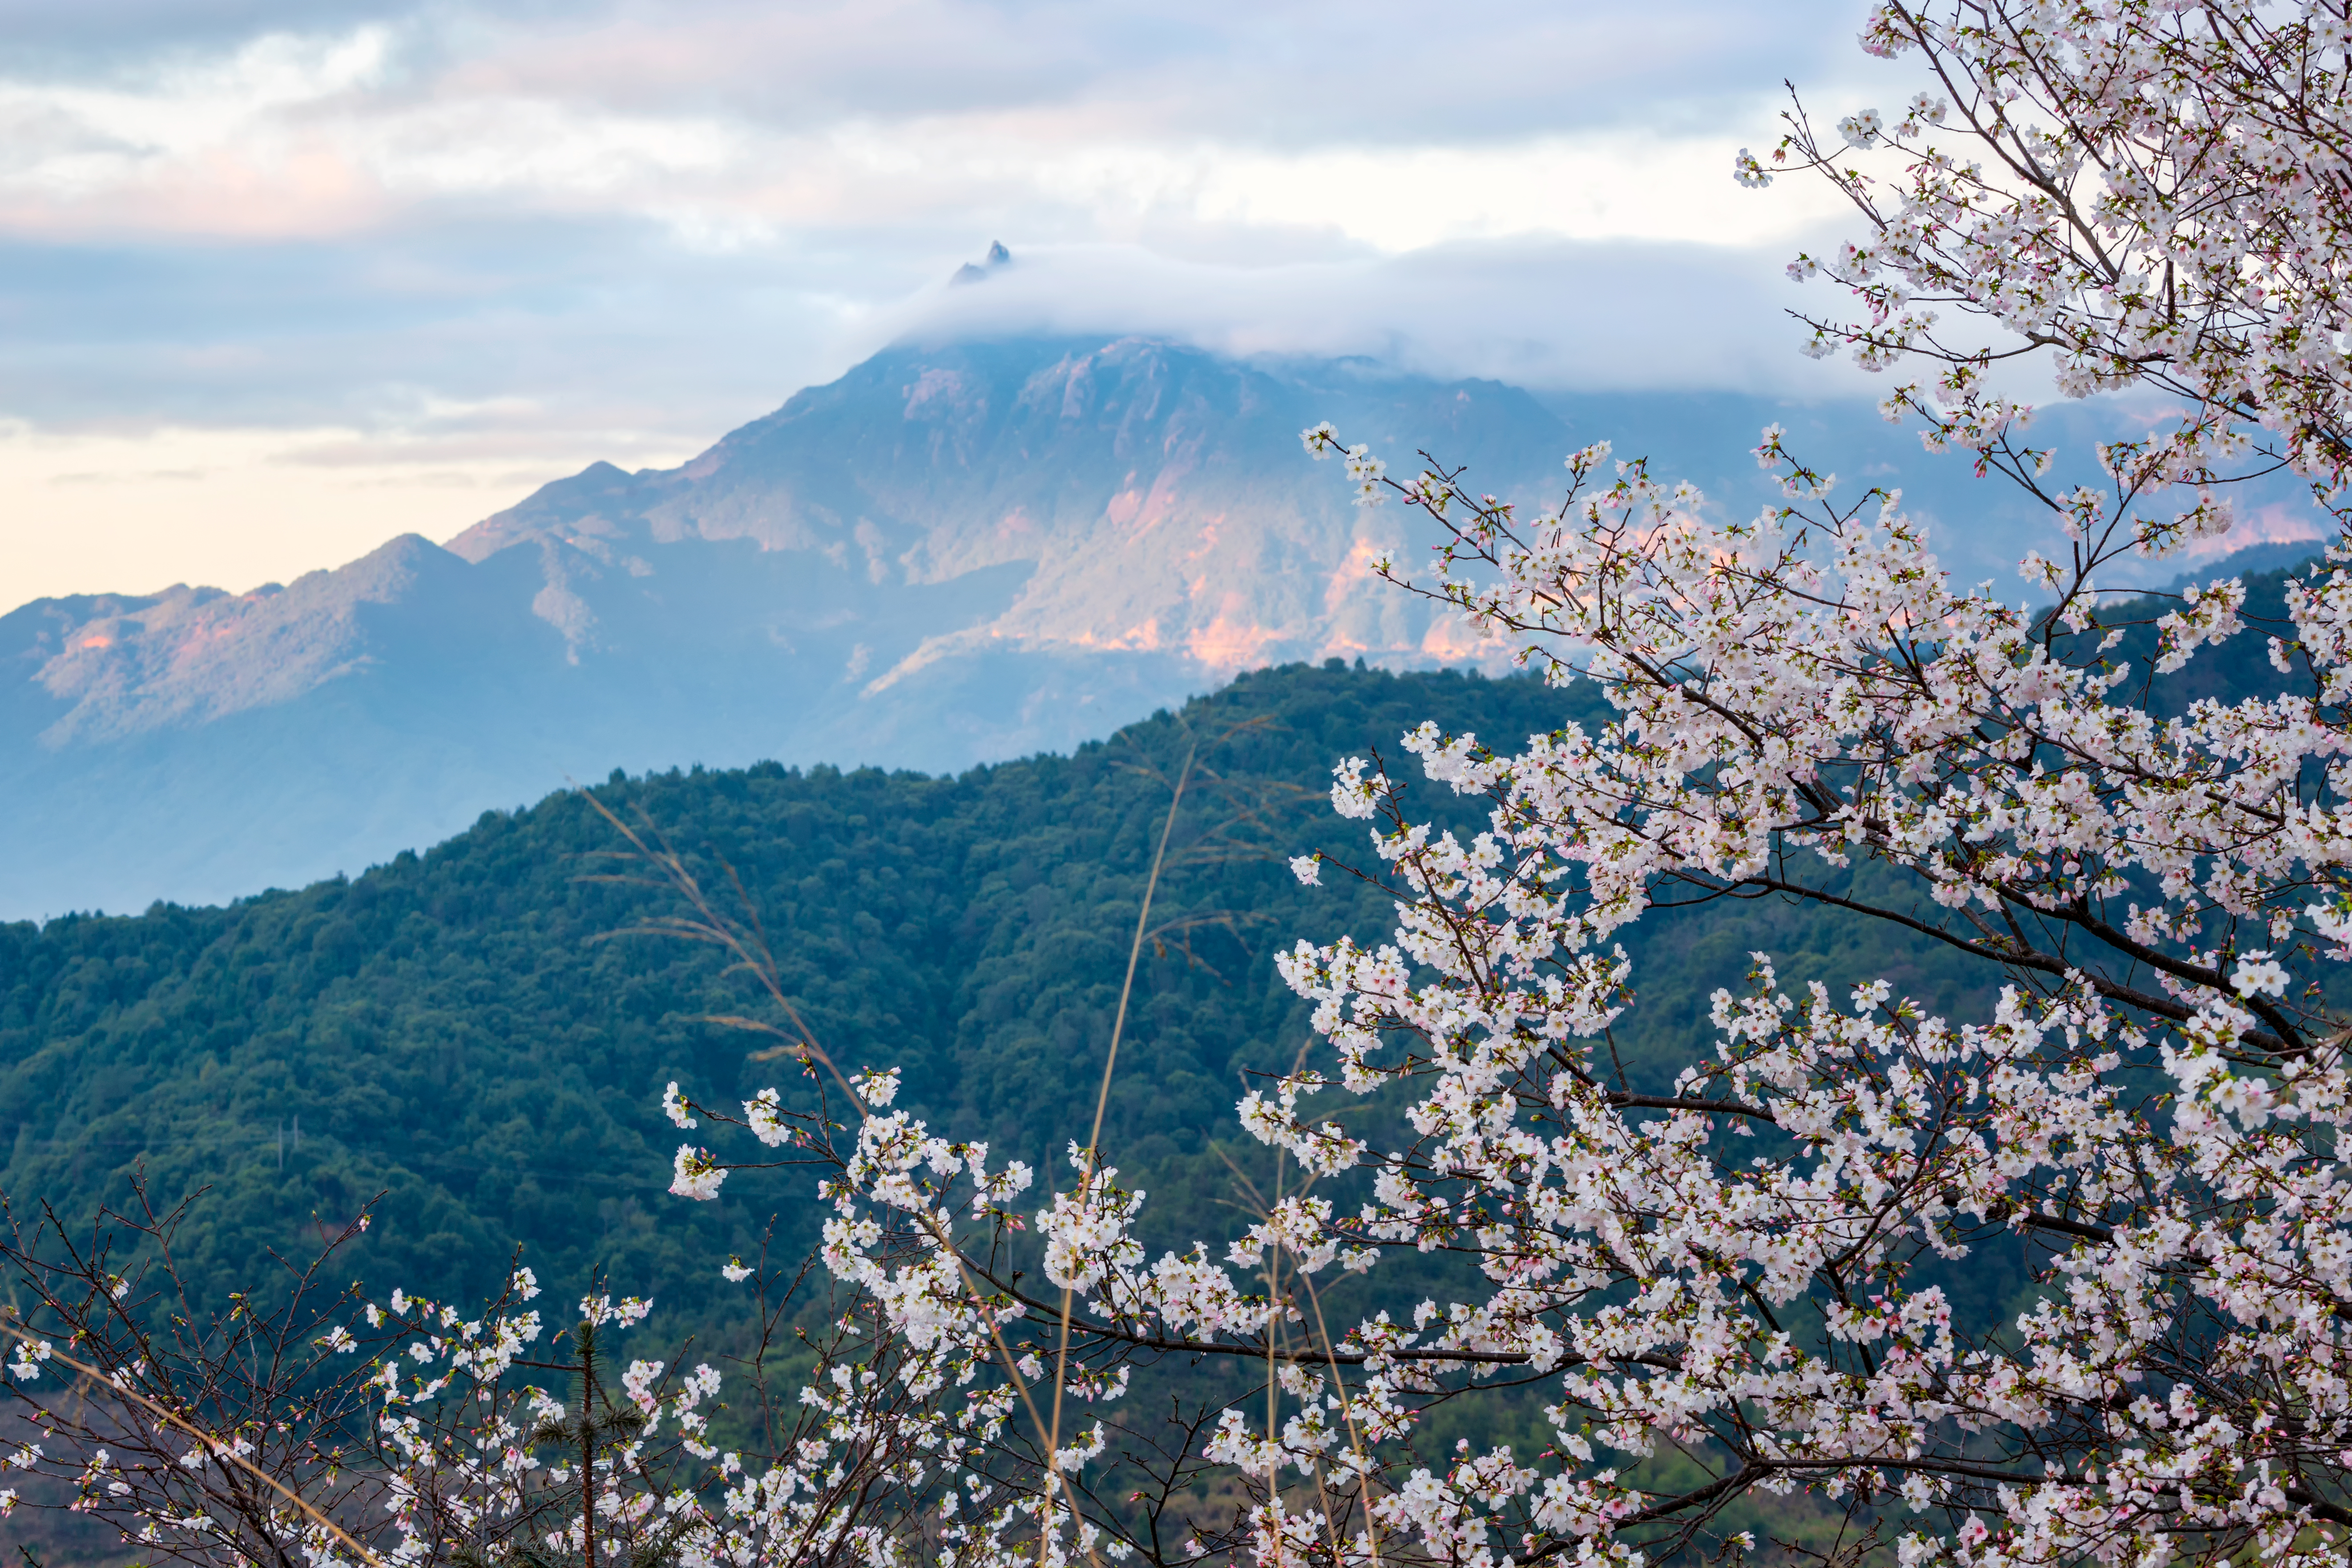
{"x":475,"y":1033}
{"x":467,"y":1032}
{"x":472,"y":1033}
{"x":476,"y":1039}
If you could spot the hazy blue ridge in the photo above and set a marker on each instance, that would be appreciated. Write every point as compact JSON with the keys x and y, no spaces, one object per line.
{"x":953,"y":555}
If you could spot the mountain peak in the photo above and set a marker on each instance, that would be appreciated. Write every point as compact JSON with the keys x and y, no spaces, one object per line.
{"x":189,"y":656}
{"x":1153,"y":496}
{"x":578,"y":511}
{"x":997,"y":257}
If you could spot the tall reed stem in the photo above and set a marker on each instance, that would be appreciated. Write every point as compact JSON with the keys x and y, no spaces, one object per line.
{"x":1102,"y":1102}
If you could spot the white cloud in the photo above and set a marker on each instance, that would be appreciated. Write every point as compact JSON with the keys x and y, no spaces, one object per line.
{"x":1543,"y":312}
{"x":102,"y":137}
{"x":1054,"y":120}
{"x":1596,"y":185}
{"x":282,"y":141}
{"x":542,"y":148}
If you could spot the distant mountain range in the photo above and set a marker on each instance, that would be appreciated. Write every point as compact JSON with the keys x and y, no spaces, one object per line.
{"x":954,"y":553}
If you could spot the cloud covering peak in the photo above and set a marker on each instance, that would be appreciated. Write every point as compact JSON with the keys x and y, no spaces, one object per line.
{"x":1550,"y":313}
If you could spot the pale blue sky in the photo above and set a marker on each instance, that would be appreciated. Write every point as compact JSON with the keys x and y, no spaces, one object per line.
{"x":278,"y":282}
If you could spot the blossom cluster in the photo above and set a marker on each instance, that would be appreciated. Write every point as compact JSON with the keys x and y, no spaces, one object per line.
{"x":2147,"y":193}
{"x":2156,"y":1100}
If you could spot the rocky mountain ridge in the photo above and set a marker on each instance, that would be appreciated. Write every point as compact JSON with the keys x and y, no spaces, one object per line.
{"x":954,"y":553}
{"x":951,"y":555}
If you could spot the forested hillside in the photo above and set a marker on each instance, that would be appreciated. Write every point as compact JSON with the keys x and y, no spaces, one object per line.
{"x":477,"y":1034}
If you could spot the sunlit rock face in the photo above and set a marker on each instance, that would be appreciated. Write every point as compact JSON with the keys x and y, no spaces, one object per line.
{"x":1154,"y":500}
{"x":953,"y":555}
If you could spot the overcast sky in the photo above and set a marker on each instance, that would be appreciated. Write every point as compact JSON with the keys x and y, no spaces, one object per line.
{"x":279,"y":281}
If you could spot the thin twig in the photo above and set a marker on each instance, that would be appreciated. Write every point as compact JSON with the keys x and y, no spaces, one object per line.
{"x":212,"y":1444}
{"x":759,"y":959}
{"x":1102,"y":1101}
